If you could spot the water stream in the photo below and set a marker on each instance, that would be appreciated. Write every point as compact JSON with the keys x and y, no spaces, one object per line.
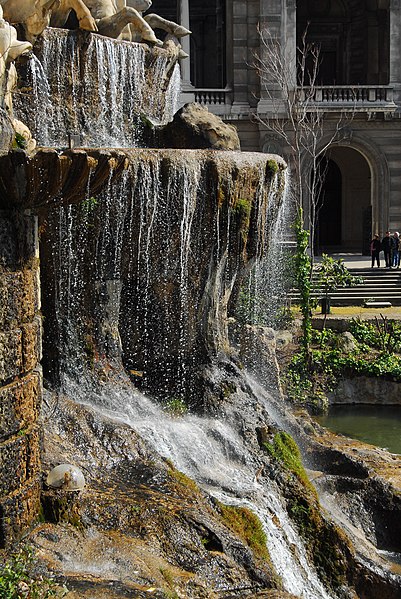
{"x":213,"y":453}
{"x":138,"y":216}
{"x":145,"y":270}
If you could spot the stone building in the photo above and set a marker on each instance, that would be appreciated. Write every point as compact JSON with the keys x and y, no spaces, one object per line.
{"x":360,"y":72}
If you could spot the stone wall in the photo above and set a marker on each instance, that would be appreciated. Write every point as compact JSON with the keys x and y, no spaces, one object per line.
{"x":20,"y":376}
{"x":366,"y":390}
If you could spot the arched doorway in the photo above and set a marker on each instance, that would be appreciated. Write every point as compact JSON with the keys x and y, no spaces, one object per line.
{"x":344,"y":215}
{"x":329,"y":207}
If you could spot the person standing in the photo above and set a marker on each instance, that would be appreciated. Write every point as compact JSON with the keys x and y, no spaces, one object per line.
{"x":375,"y":247}
{"x":387,"y":244}
{"x":396,"y":247}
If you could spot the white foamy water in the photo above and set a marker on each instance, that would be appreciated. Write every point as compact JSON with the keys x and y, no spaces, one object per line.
{"x":212,"y":452}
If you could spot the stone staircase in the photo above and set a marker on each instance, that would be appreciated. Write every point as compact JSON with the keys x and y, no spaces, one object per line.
{"x":380,"y":285}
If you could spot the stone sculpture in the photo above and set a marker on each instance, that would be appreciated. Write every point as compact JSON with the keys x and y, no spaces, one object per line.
{"x":111,"y":18}
{"x":34,"y":15}
{"x":10,"y":49}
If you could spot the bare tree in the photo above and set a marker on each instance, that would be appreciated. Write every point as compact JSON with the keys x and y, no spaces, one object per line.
{"x":290,"y":84}
{"x":294,"y":115}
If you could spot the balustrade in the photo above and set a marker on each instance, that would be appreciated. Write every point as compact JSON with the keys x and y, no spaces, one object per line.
{"x":357,"y":97}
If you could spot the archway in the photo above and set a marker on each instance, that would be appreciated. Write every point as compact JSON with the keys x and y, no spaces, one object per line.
{"x":344,"y":219}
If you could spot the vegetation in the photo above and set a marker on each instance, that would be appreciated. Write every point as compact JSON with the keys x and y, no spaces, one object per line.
{"x":332,"y":274}
{"x":182,"y":479}
{"x":376,"y":352}
{"x":88,"y":205}
{"x":284,"y":449}
{"x":17,"y":579}
{"x":272,"y":167}
{"x":303,"y":273}
{"x":176,"y":407}
{"x":324,"y":542}
{"x":248,"y":527}
{"x":20,"y":141}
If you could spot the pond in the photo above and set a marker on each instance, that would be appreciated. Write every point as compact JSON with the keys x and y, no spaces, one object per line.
{"x":377,"y":425}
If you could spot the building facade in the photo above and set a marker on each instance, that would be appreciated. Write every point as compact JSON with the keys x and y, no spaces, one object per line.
{"x":359,"y":72}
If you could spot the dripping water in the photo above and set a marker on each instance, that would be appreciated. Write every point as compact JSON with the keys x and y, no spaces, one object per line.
{"x":102,"y":98}
{"x":140,"y":210}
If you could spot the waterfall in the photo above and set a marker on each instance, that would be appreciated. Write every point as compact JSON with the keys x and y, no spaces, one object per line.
{"x":96,"y":88}
{"x":215,"y":455}
{"x":264,"y":294}
{"x":163,"y":235}
{"x":152,"y":249}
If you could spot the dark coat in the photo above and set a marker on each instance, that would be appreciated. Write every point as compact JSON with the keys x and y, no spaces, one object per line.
{"x":387,"y":244}
{"x":375,"y":245}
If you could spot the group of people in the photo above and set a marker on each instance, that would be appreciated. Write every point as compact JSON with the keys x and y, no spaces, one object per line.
{"x":391,"y":248}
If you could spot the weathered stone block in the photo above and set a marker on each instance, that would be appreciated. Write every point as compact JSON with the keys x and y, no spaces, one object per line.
{"x":10,"y":354}
{"x":31,"y":344}
{"x":19,"y":405}
{"x":18,"y":511}
{"x":19,"y":460}
{"x":19,"y":298}
{"x":18,"y":239}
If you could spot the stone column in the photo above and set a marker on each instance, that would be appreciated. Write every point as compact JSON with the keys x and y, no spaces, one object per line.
{"x":280,"y":18}
{"x":183,"y":19}
{"x":395,"y":47}
{"x":20,"y":375}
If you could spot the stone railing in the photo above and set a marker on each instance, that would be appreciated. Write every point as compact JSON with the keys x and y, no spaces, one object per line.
{"x":212,"y":96}
{"x":351,"y":97}
{"x":217,"y":100}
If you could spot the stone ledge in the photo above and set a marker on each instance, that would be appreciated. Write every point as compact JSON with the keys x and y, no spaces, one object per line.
{"x":377,"y":304}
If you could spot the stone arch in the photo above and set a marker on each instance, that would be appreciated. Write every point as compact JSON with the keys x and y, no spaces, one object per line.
{"x":379,"y":187}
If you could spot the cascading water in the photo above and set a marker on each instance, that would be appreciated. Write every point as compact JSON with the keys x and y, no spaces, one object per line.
{"x":138,"y":279}
{"x":96,"y":88}
{"x":264,"y":295}
{"x":146,"y":233}
{"x":212,"y":452}
{"x":165,"y":234}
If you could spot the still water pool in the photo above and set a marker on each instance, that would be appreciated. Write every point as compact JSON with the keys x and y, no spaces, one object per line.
{"x":378,"y":425}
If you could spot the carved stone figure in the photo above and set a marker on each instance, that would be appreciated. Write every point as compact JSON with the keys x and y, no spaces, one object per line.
{"x":34,"y":15}
{"x":112,"y":18}
{"x":155,"y":22}
{"x":10,"y":49}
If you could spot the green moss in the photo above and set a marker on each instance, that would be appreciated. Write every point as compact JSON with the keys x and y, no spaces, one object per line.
{"x":284,"y":449}
{"x":272,"y":167}
{"x":243,"y":208}
{"x":323,"y":540}
{"x":181,"y":478}
{"x":248,"y":527}
{"x":20,"y":141}
{"x":176,"y":407}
